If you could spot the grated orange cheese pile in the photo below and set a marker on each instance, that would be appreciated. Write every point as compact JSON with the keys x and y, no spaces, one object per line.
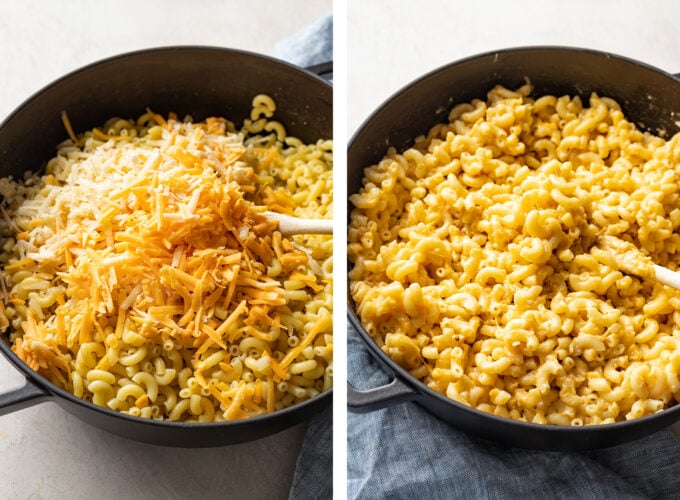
{"x":139,"y":272}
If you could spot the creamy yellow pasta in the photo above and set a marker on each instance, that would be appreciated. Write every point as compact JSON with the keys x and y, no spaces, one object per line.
{"x":140,"y":274}
{"x":477,"y":264}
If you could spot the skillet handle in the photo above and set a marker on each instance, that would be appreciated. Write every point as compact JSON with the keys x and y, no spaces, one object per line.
{"x":22,"y":397}
{"x":396,"y":392}
{"x":324,"y":70}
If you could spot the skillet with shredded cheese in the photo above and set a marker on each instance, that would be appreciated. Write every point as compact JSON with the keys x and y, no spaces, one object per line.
{"x":139,"y":272}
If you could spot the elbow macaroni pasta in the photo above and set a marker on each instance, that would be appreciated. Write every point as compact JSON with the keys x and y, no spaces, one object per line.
{"x":476,"y":263}
{"x":139,"y":274}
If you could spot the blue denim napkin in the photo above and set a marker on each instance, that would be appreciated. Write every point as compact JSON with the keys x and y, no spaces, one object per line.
{"x":313,"y":478}
{"x":313,"y":44}
{"x":405,"y":452}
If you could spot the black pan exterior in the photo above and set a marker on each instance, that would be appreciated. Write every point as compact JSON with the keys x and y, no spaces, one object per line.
{"x":161,"y":432}
{"x":196,"y":81}
{"x":648,"y":96}
{"x":191,"y":434}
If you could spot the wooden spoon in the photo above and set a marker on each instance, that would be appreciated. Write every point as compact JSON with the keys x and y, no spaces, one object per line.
{"x":289,"y":225}
{"x":631,"y":260}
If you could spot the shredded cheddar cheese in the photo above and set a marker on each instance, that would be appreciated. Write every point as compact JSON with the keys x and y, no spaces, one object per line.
{"x":140,"y":271}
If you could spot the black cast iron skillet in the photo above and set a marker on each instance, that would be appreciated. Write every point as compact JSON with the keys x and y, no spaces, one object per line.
{"x":649,"y":97}
{"x":202,"y":82}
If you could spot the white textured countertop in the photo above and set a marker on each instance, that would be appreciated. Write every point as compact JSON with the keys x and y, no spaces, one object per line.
{"x":45,"y":452}
{"x":392,"y":42}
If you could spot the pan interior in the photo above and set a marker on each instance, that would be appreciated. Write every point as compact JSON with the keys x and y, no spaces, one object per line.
{"x":196,"y":81}
{"x":647,"y":96}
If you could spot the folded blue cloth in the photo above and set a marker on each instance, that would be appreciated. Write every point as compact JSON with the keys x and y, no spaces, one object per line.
{"x":311,"y":45}
{"x":405,"y":452}
{"x":313,"y":476}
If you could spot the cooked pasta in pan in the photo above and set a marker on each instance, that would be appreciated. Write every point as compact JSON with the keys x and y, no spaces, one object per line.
{"x":477,"y":267}
{"x":140,"y":273}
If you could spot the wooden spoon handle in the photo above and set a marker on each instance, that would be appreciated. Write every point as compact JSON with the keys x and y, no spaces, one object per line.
{"x":632,"y":261}
{"x":667,"y":277}
{"x":292,"y":225}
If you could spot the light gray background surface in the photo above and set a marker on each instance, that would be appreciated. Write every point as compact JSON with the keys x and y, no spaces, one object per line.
{"x":392,"y":42}
{"x":45,"y":453}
